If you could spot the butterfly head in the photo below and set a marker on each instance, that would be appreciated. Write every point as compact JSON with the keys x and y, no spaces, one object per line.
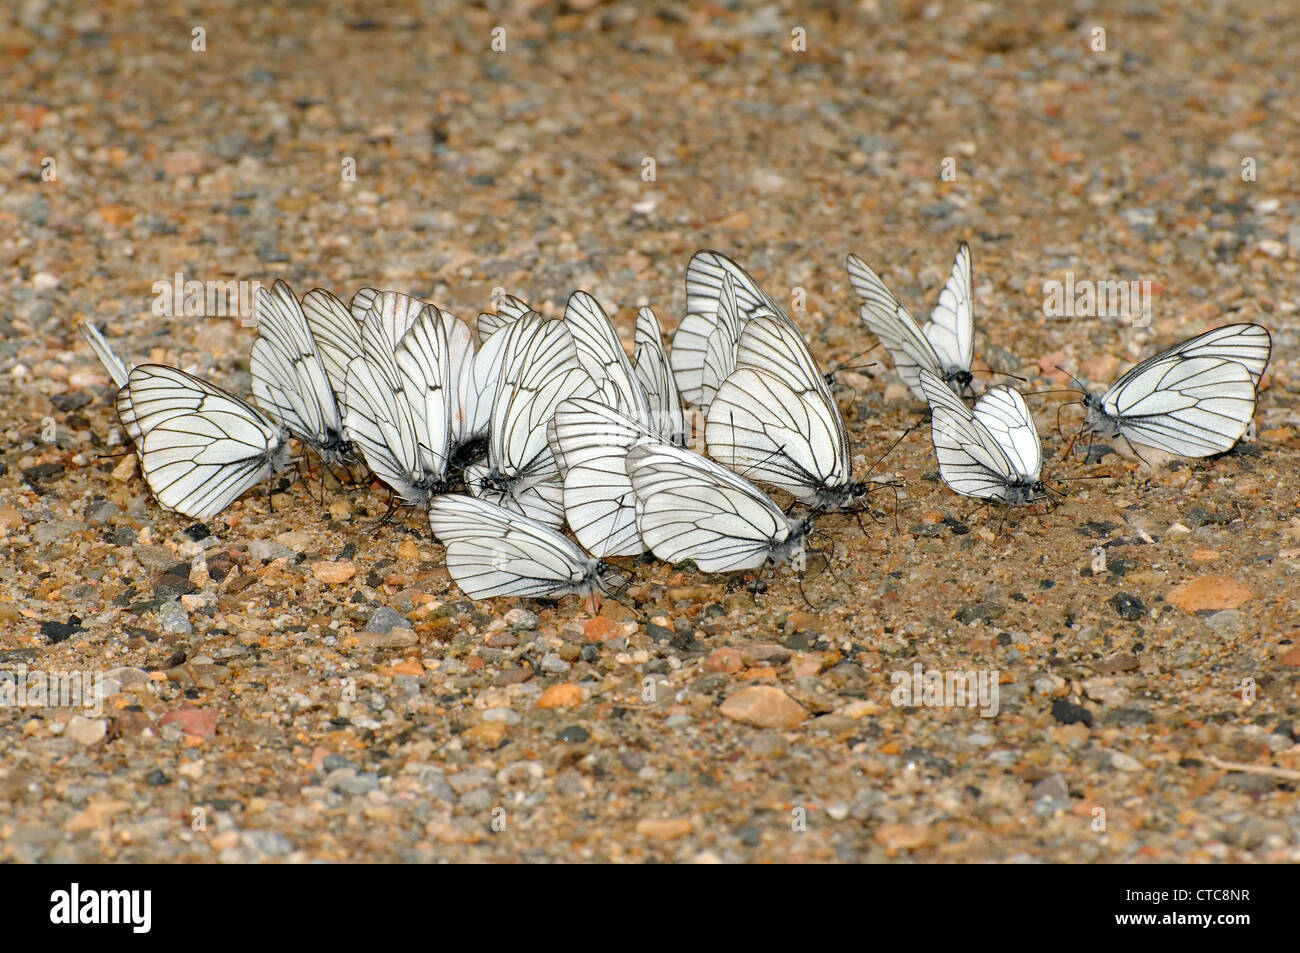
{"x":605,"y":578}
{"x":1096,"y":420}
{"x":336,"y":448}
{"x":962,"y":379}
{"x":495,"y":480}
{"x":792,"y":549}
{"x":847,"y":498}
{"x":1025,"y":491}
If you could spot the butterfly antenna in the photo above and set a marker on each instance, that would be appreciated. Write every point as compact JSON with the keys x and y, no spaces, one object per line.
{"x":848,"y":365}
{"x":881,"y":459}
{"x":1059,"y":432}
{"x":1078,"y":383}
{"x":989,"y":370}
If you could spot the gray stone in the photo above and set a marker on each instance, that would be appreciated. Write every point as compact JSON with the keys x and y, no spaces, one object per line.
{"x":519,"y":619}
{"x":385,"y":619}
{"x":155,"y":558}
{"x":406,"y":685}
{"x":1053,"y":786}
{"x":553,"y":663}
{"x":469,"y":779}
{"x":1000,"y":360}
{"x":259,"y":844}
{"x":435,"y":784}
{"x":347,"y":781}
{"x":263,"y":550}
{"x":173,"y":618}
{"x":1227,"y":620}
{"x":124,"y":679}
{"x":1124,"y":762}
{"x":102,"y":512}
{"x":479,"y":799}
{"x":86,"y":731}
{"x":53,"y":531}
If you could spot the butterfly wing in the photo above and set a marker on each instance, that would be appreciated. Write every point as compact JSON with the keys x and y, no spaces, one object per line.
{"x":700,"y":357}
{"x":897,"y":330}
{"x":601,"y":354}
{"x":112,"y":363}
{"x":394,"y":312}
{"x":1247,"y":344}
{"x":706,"y":275}
{"x":650,"y":362}
{"x":951,"y":328}
{"x":424,"y":363}
{"x":336,"y":333}
{"x":762,"y":429}
{"x":1193,"y":407}
{"x":599,"y":503}
{"x":288,"y":379}
{"x":691,"y":508}
{"x":378,"y":418}
{"x":492,"y":551}
{"x":971,"y":460}
{"x":200,"y":447}
{"x":539,"y":369}
{"x":1003,"y":413}
{"x":508,"y":309}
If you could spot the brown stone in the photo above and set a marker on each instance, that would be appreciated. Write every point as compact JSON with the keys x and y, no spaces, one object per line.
{"x":333,"y":572}
{"x":565,"y":695}
{"x":600,"y":629}
{"x":726,"y":660}
{"x":665,"y":828}
{"x":1210,"y":593}
{"x":764,"y":706}
{"x":199,"y":722}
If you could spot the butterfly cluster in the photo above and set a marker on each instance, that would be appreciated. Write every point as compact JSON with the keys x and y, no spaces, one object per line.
{"x":1194,"y":399}
{"x":511,"y":432}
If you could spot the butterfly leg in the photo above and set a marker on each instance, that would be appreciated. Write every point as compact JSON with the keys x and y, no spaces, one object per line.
{"x":1146,"y":463}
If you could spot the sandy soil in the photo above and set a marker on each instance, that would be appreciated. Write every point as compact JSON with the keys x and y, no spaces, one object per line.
{"x":300,"y":682}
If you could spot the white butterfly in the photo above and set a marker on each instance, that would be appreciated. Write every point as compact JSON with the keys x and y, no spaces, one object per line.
{"x":990,"y":451}
{"x":436,"y":355}
{"x":1194,"y":399}
{"x":944,"y":347}
{"x":720,"y":297}
{"x":539,"y":368}
{"x":689,"y":507}
{"x":774,"y":420}
{"x":493,"y":551}
{"x":650,"y":362}
{"x":289,"y":381}
{"x":200,"y":447}
{"x":592,"y":439}
{"x":433,"y":359}
{"x":381,"y":423}
{"x":601,"y":354}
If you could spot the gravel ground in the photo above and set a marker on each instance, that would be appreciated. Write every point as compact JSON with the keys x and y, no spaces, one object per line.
{"x":299,"y":682}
